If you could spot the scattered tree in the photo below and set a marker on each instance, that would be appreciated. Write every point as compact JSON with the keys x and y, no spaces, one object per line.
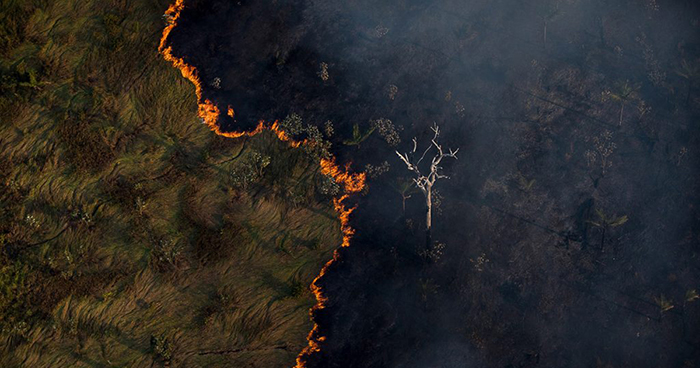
{"x":249,"y":170}
{"x":374,"y":171}
{"x":434,"y":253}
{"x":328,"y":128}
{"x":292,"y":125}
{"x":426,"y":182}
{"x":604,"y":147}
{"x":388,"y":131}
{"x":606,"y":222}
{"x":323,"y":73}
{"x":547,"y":12}
{"x":162,"y":349}
{"x":623,"y":92}
{"x":357,"y":136}
{"x":664,"y":304}
{"x":405,"y":188}
{"x":690,"y":72}
{"x":317,"y":147}
{"x":328,"y":186}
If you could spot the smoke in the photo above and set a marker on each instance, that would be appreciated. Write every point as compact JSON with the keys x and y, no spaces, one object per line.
{"x":536,"y":270}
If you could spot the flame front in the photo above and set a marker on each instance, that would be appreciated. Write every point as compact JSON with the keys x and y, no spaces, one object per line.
{"x":351,"y":182}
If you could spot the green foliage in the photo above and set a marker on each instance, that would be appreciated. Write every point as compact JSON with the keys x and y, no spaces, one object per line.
{"x":525,"y":184}
{"x":427,"y":288}
{"x":357,"y":136}
{"x":405,"y":186}
{"x":607,"y":220}
{"x":624,"y":91}
{"x":664,"y":304}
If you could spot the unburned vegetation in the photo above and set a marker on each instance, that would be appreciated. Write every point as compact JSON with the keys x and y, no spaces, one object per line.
{"x":131,"y":235}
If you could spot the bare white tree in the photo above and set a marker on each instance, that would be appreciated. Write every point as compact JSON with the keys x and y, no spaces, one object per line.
{"x":425,"y":182}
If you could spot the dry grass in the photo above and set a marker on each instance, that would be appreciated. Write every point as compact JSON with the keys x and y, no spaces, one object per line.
{"x":125,"y":241}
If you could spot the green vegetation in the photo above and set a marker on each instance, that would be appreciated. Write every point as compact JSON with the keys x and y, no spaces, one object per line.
{"x":624,"y":92}
{"x":405,"y":188}
{"x":606,"y":222}
{"x":131,"y":235}
{"x":357,"y":136}
{"x":317,"y":146}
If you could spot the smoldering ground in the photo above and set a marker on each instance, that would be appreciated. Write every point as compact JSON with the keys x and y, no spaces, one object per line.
{"x":570,"y":222}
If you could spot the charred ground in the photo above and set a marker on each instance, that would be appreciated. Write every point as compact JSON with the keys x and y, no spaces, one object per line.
{"x":570,"y":224}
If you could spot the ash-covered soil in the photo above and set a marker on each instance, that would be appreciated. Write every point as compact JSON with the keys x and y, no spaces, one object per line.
{"x":568,"y":232}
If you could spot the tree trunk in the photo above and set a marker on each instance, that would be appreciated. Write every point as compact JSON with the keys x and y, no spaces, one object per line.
{"x":601,"y":31}
{"x":545,"y":34}
{"x":622,"y":108}
{"x":429,"y":204}
{"x":428,"y":240}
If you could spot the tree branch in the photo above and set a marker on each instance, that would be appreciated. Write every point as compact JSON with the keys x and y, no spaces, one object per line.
{"x":423,"y":182}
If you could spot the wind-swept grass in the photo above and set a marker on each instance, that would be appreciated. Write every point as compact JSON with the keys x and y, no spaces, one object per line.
{"x":130,"y":233}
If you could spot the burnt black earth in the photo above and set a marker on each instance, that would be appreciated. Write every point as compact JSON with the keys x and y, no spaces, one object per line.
{"x":568,"y":231}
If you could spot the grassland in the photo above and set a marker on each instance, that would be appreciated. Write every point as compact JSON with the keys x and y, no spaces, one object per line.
{"x":131,"y":235}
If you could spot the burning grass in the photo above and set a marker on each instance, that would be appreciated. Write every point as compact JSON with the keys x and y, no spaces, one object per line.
{"x":210,"y":113}
{"x":125,"y":240}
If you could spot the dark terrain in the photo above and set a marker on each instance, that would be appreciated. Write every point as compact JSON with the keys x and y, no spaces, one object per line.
{"x":567,"y":235}
{"x":570,"y":223}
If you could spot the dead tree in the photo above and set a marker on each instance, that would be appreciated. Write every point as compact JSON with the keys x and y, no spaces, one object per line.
{"x":425,"y":182}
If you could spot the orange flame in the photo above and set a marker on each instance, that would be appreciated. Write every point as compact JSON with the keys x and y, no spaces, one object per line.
{"x":344,"y":214}
{"x":207,"y":110}
{"x":352,"y":183}
{"x":315,"y":338}
{"x":282,"y":135}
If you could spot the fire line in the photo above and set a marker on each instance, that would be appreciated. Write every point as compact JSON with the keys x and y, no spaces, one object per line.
{"x":209,"y":112}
